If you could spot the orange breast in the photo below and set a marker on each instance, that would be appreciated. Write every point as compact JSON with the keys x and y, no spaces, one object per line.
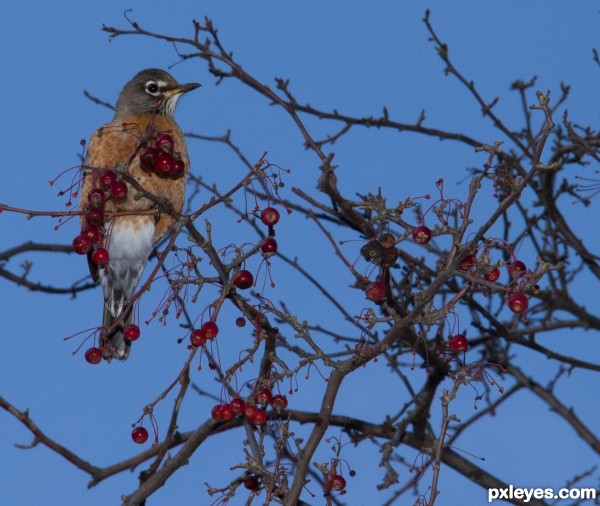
{"x":116,"y":146}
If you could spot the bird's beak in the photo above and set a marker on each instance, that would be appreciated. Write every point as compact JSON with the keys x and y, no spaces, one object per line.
{"x":180,"y":89}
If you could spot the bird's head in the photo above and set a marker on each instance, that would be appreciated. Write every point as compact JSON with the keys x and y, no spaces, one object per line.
{"x":151,"y":91}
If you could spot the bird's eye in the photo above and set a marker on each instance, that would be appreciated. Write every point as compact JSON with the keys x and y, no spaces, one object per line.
{"x":152,"y":87}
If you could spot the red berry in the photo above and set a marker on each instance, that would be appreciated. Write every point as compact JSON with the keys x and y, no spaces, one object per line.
{"x":279,"y":402}
{"x":260,"y":417}
{"x":178,"y":167}
{"x":269,"y":246}
{"x":96,"y":197}
{"x":227,"y":413}
{"x":421,"y":235}
{"x":240,"y":321}
{"x":250,"y":412}
{"x":139,"y":435}
{"x":107,"y":179}
{"x":337,"y":482}
{"x":251,"y":483}
{"x":94,"y":233}
{"x":467,"y":263}
{"x":165,"y":143}
{"x":119,"y":190}
{"x":243,"y":279}
{"x":209,"y":330}
{"x":518,"y":303}
{"x":100,"y":256}
{"x":237,"y":405}
{"x":82,"y":244}
{"x":93,"y":355}
{"x":131,"y":332}
{"x":165,"y":163}
{"x":95,"y":216}
{"x":197,"y":338}
{"x":216,"y":412}
{"x":263,"y":396}
{"x":459,"y":343}
{"x":517,"y":269}
{"x":493,"y":275}
{"x":269,"y":216}
{"x":148,"y":158}
{"x":375,"y":291}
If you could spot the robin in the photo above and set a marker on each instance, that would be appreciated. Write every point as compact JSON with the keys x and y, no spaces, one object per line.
{"x":142,"y":143}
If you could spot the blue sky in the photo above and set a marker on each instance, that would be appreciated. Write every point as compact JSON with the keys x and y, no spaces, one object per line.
{"x":353,"y":56}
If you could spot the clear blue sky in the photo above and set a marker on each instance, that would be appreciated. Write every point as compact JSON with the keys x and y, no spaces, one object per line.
{"x":355,"y":56}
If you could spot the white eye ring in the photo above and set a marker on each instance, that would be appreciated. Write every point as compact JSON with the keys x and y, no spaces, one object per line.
{"x":152,"y":88}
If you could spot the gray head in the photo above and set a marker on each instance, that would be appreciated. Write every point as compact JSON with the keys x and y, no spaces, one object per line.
{"x":151,"y":91}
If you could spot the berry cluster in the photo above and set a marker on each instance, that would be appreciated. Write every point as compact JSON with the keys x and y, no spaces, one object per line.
{"x":270,"y":217}
{"x":159,"y":157}
{"x":94,"y":354}
{"x":91,"y":236}
{"x":207,"y":332}
{"x":384,"y":253}
{"x":252,"y":410}
{"x":519,"y":282}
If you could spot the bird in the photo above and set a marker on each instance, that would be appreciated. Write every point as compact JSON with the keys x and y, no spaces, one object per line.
{"x":142,"y":149}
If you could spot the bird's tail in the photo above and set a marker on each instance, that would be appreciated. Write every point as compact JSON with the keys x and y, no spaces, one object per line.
{"x":114,"y":343}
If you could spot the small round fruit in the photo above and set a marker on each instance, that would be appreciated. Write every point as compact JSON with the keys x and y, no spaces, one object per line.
{"x":251,"y":483}
{"x":227,"y":413}
{"x":131,"y":332}
{"x":387,"y":241}
{"x":279,"y":402}
{"x":517,"y":303}
{"x":209,"y":330}
{"x":375,"y":291}
{"x":263,"y":396}
{"x":516,"y":269}
{"x":118,"y":191}
{"x":260,"y":417}
{"x":240,"y":321}
{"x":215,"y":412}
{"x":107,"y":179}
{"x":96,"y":198}
{"x":269,"y":216}
{"x":100,"y":256}
{"x":82,"y":244}
{"x":389,"y":255}
{"x":165,"y":163}
{"x":148,"y":158}
{"x":95,"y":216}
{"x":93,"y":355}
{"x":421,"y":234}
{"x":139,"y":435}
{"x":467,"y":263}
{"x":197,"y":338}
{"x":337,"y":482}
{"x":237,"y":405}
{"x":243,"y":279}
{"x":178,"y":167}
{"x":493,"y":275}
{"x":269,"y":246}
{"x":94,"y":233}
{"x":250,"y":412}
{"x":165,"y":143}
{"x":459,"y":343}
